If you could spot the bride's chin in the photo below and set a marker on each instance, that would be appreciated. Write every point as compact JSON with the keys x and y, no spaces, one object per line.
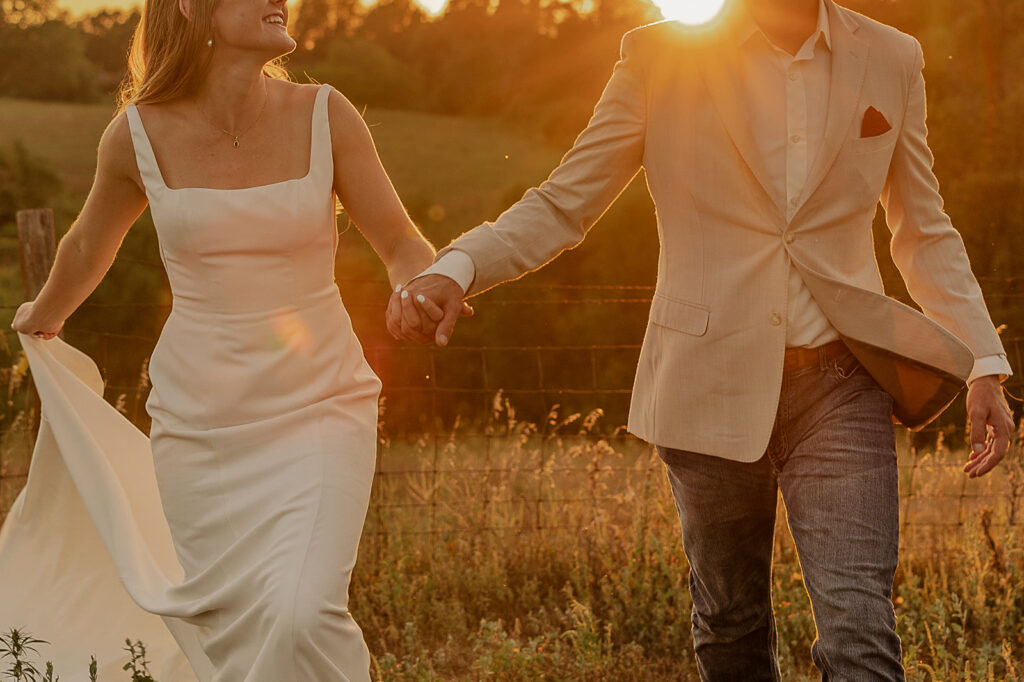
{"x":288,"y":45}
{"x":278,"y":48}
{"x":287,"y":48}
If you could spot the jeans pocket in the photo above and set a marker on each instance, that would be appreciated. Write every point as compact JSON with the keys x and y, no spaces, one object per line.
{"x":844,"y":367}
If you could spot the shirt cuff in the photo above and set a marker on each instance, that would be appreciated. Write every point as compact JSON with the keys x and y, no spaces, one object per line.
{"x":455,"y":265}
{"x":989,"y":365}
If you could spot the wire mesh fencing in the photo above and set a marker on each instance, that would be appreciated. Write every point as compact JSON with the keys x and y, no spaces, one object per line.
{"x":525,"y":433}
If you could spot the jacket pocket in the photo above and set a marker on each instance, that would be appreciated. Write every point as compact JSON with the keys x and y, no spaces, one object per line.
{"x":682,"y":316}
{"x":867,"y":145}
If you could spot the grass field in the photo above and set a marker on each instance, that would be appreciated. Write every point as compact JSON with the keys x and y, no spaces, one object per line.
{"x":518,"y":555}
{"x":602,"y":594}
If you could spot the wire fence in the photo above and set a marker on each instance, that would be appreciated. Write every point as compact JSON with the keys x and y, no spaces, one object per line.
{"x":522,"y":437}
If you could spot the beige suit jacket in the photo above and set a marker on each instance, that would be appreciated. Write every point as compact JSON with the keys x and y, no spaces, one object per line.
{"x":710,"y":371}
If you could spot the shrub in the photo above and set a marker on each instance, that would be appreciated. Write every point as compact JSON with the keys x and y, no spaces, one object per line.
{"x":369,"y":75}
{"x":46,"y":61}
{"x":25,"y":181}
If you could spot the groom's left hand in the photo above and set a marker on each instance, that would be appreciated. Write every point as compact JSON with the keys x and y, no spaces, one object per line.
{"x":990,"y":423}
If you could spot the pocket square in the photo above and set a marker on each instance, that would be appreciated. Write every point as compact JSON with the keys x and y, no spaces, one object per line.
{"x":874,"y":123}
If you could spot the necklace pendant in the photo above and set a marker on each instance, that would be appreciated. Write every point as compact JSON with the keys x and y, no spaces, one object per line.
{"x":235,"y":143}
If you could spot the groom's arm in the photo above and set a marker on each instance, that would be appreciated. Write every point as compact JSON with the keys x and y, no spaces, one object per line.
{"x":557,"y":215}
{"x":931,"y":257}
{"x":548,"y":219}
{"x":926,"y":248}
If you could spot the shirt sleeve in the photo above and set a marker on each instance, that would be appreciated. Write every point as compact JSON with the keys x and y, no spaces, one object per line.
{"x":455,"y":265}
{"x":991,"y":365}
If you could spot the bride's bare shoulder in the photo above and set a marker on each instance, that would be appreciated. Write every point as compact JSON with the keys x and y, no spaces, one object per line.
{"x":295,"y":92}
{"x":115,"y":156}
{"x":345,"y":119}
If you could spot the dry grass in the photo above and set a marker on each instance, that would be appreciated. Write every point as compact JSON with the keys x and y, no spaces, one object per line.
{"x":528,"y":552}
{"x":514,"y":555}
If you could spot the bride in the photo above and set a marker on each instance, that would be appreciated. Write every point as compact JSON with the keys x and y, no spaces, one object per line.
{"x":263,"y":407}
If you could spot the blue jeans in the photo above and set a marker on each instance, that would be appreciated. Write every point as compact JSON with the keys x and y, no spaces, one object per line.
{"x":832,"y":453}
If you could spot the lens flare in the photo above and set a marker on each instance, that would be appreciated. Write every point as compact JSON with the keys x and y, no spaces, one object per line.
{"x":690,"y":12}
{"x":291,"y":332}
{"x":432,"y":7}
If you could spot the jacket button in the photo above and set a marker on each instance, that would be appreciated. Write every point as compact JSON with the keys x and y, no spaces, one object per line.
{"x":790,"y":237}
{"x":775,"y":319}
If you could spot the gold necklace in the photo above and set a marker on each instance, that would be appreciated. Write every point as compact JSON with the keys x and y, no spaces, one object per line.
{"x":234,"y":136}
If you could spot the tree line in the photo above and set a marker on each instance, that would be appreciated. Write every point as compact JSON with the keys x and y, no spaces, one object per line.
{"x":510,"y":58}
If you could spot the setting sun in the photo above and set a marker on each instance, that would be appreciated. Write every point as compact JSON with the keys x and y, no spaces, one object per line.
{"x":690,"y":12}
{"x":432,"y":7}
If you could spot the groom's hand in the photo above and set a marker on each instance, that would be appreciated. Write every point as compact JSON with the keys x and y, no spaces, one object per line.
{"x":990,"y":423}
{"x":426,"y":309}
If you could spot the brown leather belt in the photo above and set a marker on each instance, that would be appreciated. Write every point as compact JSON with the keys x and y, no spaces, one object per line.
{"x":800,"y":358}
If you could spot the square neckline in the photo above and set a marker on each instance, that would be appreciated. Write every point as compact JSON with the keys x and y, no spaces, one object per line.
{"x":163,"y":182}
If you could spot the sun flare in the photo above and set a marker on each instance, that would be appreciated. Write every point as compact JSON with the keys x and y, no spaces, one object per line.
{"x":432,"y":7}
{"x":691,"y":12}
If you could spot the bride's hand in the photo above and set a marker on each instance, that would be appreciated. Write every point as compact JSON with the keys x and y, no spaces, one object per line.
{"x":25,"y":323}
{"x":426,"y":309}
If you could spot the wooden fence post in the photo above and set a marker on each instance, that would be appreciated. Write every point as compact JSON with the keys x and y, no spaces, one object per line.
{"x":37,"y":250}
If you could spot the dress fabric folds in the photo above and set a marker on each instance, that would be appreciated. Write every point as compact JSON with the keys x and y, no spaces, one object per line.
{"x":225,"y":541}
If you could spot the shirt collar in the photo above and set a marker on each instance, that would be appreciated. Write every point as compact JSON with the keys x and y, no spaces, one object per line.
{"x":748,"y":28}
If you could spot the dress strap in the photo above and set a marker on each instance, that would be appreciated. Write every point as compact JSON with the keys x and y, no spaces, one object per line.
{"x":321,"y":153}
{"x":144,"y":156}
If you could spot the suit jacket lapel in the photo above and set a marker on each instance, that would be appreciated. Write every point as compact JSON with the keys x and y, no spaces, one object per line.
{"x":849,"y":63}
{"x":720,"y":69}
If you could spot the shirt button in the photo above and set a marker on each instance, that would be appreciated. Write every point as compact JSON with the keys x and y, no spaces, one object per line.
{"x":794,"y":201}
{"x":796,"y":138}
{"x":775,"y":319}
{"x":793,"y":75}
{"x":790,"y":237}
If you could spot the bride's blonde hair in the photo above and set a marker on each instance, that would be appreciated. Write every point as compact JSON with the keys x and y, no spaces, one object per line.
{"x":169,"y":54}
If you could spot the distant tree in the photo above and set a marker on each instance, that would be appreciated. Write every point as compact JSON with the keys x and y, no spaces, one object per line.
{"x":24,"y":13}
{"x":627,"y":14}
{"x":369,"y":75}
{"x":46,"y":61}
{"x":319,"y":21}
{"x":393,"y":24}
{"x":108,"y":34}
{"x":465,"y":56}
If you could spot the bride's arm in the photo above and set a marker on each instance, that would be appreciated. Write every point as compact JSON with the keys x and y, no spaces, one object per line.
{"x":87,"y":250}
{"x":366,"y":192}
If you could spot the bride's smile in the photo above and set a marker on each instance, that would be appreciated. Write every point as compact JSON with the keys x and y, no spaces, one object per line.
{"x":234,"y":27}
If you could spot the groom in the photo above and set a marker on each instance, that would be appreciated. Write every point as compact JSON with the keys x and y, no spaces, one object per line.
{"x":772,"y":359}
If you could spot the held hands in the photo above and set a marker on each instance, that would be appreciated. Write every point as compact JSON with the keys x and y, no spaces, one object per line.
{"x":990,"y":423}
{"x":426,"y":309}
{"x":25,"y":323}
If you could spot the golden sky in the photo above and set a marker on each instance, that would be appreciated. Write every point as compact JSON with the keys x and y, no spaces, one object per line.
{"x":688,"y":11}
{"x":77,"y":7}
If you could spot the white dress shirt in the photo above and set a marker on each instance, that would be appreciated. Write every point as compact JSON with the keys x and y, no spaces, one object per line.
{"x":789,"y":132}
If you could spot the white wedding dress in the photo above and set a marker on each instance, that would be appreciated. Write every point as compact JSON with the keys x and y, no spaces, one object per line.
{"x":226,"y":540}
